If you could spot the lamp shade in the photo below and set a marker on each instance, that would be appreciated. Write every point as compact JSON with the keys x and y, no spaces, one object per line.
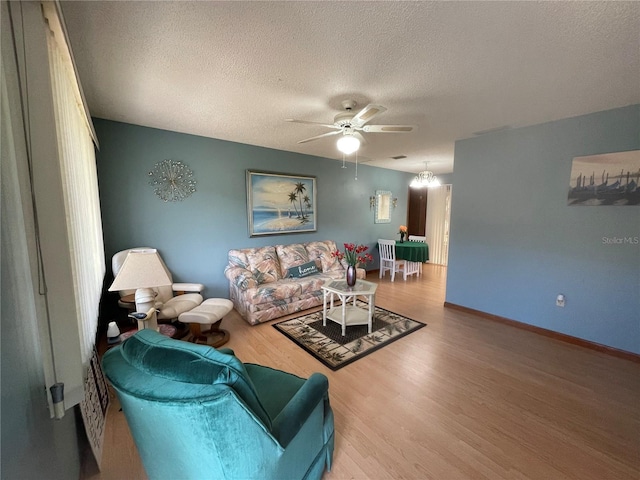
{"x":141,"y":269}
{"x":348,"y":144}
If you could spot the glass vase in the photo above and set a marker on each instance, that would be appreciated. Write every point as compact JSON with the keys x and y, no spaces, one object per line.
{"x":351,"y":275}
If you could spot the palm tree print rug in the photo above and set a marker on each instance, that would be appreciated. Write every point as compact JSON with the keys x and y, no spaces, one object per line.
{"x":335,"y":351}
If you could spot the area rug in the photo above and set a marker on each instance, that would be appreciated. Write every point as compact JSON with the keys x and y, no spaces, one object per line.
{"x":335,"y":351}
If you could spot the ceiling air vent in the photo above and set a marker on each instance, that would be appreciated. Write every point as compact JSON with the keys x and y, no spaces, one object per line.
{"x":491,"y":130}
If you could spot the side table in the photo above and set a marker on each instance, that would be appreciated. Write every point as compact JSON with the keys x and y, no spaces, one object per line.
{"x":346,"y":314}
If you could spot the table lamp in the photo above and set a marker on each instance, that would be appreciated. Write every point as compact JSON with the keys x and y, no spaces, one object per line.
{"x":141,"y":271}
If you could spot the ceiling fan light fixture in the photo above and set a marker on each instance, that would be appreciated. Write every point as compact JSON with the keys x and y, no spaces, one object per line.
{"x":348,"y":144}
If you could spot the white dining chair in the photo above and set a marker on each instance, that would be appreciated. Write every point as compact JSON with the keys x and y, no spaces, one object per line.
{"x":418,"y":238}
{"x":388,"y":261}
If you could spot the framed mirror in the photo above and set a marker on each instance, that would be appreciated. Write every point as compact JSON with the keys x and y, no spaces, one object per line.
{"x":383,"y":206}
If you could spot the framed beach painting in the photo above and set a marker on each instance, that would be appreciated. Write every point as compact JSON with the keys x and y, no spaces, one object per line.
{"x":279,"y":203}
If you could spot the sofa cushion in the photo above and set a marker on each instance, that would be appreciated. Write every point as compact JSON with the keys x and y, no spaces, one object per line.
{"x":263,"y":263}
{"x":321,"y":252}
{"x":238,"y":258}
{"x":240,"y":277}
{"x":287,"y":289}
{"x":291,"y":256}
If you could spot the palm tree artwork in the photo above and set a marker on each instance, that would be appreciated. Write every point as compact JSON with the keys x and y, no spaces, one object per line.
{"x":281,"y":203}
{"x":292,"y":198}
{"x":298,"y":191}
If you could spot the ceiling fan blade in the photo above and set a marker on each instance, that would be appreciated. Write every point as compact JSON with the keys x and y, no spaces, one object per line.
{"x":366,"y":114}
{"x":388,"y":128}
{"x":360,"y":137}
{"x":306,"y":122}
{"x":320,"y":136}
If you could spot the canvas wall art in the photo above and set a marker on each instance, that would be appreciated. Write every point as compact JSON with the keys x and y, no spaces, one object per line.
{"x":607,"y":179}
{"x":279,"y":203}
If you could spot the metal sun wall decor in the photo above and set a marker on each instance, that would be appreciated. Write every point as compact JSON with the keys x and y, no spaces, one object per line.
{"x":173,"y":180}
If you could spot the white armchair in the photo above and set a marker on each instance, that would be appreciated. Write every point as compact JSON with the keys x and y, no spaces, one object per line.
{"x":169,"y":305}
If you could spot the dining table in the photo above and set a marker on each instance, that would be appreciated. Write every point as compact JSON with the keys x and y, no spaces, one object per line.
{"x":412,"y":251}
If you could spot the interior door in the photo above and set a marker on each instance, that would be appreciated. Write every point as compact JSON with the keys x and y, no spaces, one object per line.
{"x":417,"y":214}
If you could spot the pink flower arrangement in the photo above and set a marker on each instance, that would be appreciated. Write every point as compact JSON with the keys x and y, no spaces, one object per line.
{"x":353,"y":254}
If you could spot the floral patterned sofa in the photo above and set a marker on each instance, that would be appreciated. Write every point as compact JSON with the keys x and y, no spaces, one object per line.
{"x":261,"y":282}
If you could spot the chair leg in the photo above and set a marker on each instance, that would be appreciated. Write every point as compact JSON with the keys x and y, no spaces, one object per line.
{"x":196,"y":333}
{"x":214,"y":336}
{"x":219,"y":335}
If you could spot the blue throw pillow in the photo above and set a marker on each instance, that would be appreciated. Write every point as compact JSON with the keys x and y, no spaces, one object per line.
{"x":303,"y":270}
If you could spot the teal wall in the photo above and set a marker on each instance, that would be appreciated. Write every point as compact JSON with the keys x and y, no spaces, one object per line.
{"x":195,"y":235}
{"x":516,"y":244}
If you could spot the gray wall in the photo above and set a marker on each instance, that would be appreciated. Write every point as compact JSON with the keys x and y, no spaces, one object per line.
{"x":33,"y":445}
{"x":516,"y":244}
{"x":195,"y":235}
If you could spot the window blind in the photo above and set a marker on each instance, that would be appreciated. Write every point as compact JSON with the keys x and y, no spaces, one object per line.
{"x":79,"y":186}
{"x":438,"y":215}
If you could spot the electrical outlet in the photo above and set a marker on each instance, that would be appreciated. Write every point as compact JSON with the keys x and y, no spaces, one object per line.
{"x":560,"y":300}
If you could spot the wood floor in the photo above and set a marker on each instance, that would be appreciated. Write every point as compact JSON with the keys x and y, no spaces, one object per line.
{"x":463,"y":398}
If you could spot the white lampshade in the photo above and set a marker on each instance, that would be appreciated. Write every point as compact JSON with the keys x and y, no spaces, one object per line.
{"x":141,"y":269}
{"x":348,"y":144}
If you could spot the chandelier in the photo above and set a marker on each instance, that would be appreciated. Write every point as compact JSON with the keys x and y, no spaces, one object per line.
{"x":425,"y":178}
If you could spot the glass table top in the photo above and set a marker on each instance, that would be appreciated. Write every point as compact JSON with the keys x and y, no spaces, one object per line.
{"x":360,"y":288}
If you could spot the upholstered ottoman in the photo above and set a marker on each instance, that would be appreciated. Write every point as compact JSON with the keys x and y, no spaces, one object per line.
{"x":204,"y":321}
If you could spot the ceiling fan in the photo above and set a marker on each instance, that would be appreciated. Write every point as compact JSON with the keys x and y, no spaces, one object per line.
{"x":351,"y":124}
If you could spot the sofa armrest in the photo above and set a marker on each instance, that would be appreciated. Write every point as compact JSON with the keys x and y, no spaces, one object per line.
{"x":188,"y":287}
{"x":240,"y":277}
{"x":288,"y":422}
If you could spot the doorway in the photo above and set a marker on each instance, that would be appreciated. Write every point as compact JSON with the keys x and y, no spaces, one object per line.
{"x":429,"y":215}
{"x":417,"y":213}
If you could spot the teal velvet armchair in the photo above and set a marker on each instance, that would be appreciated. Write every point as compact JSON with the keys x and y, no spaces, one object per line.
{"x":196,"y":412}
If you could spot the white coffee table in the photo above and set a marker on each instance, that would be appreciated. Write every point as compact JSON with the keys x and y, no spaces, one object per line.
{"x":346,"y":314}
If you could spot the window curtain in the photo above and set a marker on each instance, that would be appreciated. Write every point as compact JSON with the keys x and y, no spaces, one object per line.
{"x":438,"y":215}
{"x":79,"y":182}
{"x":59,"y":216}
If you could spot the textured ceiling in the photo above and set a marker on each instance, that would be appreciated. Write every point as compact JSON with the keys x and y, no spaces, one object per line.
{"x":236,"y":70}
